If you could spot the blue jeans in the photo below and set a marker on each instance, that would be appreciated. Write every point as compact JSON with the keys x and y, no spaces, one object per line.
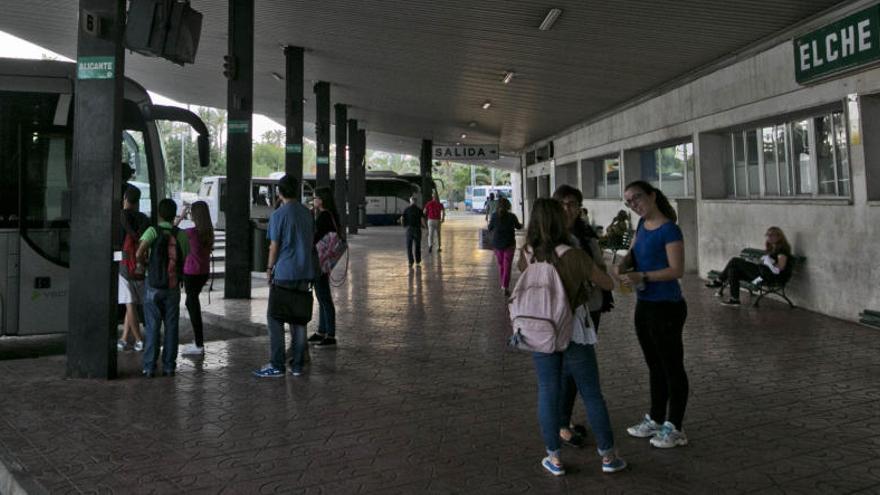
{"x":580,"y":362}
{"x":568,"y":394}
{"x":276,"y":344}
{"x":413,"y":245}
{"x":326,"y":309}
{"x":161,"y":305}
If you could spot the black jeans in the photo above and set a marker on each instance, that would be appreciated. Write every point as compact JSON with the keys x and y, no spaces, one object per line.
{"x":659,"y":326}
{"x":568,"y":392}
{"x":193,"y":285}
{"x":326,"y":308}
{"x":413,"y":245}
{"x":738,"y":269}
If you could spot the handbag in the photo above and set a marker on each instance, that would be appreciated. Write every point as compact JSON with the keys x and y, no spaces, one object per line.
{"x":330,"y":249}
{"x":291,"y":304}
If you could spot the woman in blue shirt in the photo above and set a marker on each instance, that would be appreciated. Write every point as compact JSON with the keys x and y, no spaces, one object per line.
{"x":653,"y":266}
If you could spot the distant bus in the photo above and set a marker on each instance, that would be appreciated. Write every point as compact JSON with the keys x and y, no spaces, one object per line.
{"x":479,"y":195}
{"x":386,"y":197}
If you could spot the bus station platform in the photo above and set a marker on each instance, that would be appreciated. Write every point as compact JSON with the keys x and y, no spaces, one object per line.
{"x":422,"y":395}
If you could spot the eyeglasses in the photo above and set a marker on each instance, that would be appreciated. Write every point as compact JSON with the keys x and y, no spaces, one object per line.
{"x":635,"y":198}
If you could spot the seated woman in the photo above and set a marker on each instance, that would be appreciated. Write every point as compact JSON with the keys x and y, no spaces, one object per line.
{"x":774,"y":267}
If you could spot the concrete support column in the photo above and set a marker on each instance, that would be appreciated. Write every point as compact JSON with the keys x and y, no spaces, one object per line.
{"x":341,"y":184}
{"x":239,"y":105}
{"x":351,"y":194}
{"x":96,"y":180}
{"x":425,"y":170}
{"x":322,"y":133}
{"x":631,"y":165}
{"x":293,"y":113}
{"x":362,"y":176}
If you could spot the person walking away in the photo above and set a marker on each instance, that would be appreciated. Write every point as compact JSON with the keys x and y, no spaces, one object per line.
{"x":503,"y":225}
{"x":436,"y":215}
{"x":582,"y":236}
{"x":196,"y":271}
{"x":491,"y":206}
{"x":291,"y":265}
{"x":546,"y":232}
{"x":131,"y":271}
{"x":326,"y":221}
{"x":653,"y":265}
{"x":413,"y":219}
{"x":774,"y":267}
{"x":168,"y":247}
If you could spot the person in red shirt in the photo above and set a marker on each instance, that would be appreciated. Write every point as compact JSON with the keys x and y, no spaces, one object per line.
{"x":436,"y":215}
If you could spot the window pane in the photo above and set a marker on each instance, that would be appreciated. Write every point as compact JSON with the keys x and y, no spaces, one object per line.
{"x":768,"y":148}
{"x":672,"y":162}
{"x":752,"y":162}
{"x":784,"y":162}
{"x":800,"y":146}
{"x":691,"y":175}
{"x":825,"y":155}
{"x":739,"y":164}
{"x":612,"y":177}
{"x":842,"y":148}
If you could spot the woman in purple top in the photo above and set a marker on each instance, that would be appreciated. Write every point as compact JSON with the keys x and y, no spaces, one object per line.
{"x":653,"y":266}
{"x":196,"y":271}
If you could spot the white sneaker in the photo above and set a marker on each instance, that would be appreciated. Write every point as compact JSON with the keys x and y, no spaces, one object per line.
{"x":192,"y":350}
{"x":120,"y":345}
{"x":647,"y":428}
{"x":139,"y":346}
{"x":669,"y":437}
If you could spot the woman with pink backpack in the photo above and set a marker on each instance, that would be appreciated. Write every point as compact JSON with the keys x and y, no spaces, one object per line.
{"x":547,"y":241}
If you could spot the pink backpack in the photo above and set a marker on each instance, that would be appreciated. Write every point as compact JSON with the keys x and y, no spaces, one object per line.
{"x":539,"y":309}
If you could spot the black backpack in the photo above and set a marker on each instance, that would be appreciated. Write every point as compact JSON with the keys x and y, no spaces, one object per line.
{"x":165,"y":270}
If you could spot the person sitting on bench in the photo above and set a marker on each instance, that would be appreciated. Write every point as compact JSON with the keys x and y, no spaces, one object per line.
{"x":774,"y":267}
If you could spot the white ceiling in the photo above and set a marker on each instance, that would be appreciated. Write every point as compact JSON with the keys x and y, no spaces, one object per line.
{"x":413,"y":69}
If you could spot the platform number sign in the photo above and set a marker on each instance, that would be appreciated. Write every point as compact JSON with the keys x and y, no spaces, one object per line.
{"x":850,"y":42}
{"x":91,"y":23}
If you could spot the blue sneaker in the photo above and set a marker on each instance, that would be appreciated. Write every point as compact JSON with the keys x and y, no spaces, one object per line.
{"x":268,"y":371}
{"x":613,"y":463}
{"x":555,"y":470}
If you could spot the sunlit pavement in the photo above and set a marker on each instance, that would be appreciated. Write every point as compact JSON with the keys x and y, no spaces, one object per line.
{"x":422,"y":395}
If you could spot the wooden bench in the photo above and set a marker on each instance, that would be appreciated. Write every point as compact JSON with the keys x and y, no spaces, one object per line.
{"x":765,"y":288}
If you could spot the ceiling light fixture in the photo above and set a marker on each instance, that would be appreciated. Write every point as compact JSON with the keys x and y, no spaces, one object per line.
{"x":508,"y":76}
{"x":458,"y":143}
{"x":472,"y":123}
{"x":277,"y":76}
{"x":463,"y":135}
{"x":487,"y":104}
{"x":551,"y":17}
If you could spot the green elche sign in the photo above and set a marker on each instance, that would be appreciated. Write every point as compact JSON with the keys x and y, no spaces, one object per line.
{"x":850,"y":42}
{"x":95,"y":68}
{"x":294,"y":148}
{"x":323,"y":160}
{"x":237,"y":127}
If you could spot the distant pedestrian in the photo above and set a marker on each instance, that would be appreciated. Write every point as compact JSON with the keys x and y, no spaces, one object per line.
{"x":168,"y":247}
{"x":502,"y":226}
{"x":491,"y":206}
{"x":546,"y":237}
{"x":197,"y":271}
{"x":131,"y":271}
{"x":653,"y":266}
{"x":436,"y":214}
{"x":413,"y":219}
{"x":292,"y":265}
{"x":326,"y":221}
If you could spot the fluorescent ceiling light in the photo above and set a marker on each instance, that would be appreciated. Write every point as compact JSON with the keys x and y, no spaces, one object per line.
{"x":487,"y":104}
{"x":552,"y":15}
{"x":508,"y":76}
{"x":277,"y":76}
{"x":463,"y":135}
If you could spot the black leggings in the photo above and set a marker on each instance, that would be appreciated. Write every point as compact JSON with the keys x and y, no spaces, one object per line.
{"x":193,"y":285}
{"x":659,"y":326}
{"x":738,"y":269}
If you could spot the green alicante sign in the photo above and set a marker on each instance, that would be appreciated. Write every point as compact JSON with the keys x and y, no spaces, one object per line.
{"x":850,"y":42}
{"x":238,"y":127}
{"x":294,"y":148}
{"x":95,"y":67}
{"x":323,"y":160}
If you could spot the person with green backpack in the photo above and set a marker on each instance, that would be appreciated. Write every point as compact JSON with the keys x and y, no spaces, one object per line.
{"x":166,"y":248}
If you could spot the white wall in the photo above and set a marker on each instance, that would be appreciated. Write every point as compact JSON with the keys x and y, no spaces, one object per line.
{"x":839,"y":237}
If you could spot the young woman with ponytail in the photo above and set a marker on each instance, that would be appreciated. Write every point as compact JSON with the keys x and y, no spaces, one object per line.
{"x":654,"y":264}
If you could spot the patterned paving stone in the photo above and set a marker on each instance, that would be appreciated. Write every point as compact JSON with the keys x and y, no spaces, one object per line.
{"x":422,"y":396}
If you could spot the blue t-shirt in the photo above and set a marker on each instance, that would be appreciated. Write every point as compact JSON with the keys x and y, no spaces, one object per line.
{"x":292,"y":227}
{"x":649,"y":253}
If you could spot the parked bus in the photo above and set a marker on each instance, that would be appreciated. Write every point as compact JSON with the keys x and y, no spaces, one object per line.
{"x":386,"y":197}
{"x":36,"y":146}
{"x":479,"y":194}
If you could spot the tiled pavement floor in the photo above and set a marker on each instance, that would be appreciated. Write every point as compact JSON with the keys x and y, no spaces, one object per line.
{"x":422,"y":396}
